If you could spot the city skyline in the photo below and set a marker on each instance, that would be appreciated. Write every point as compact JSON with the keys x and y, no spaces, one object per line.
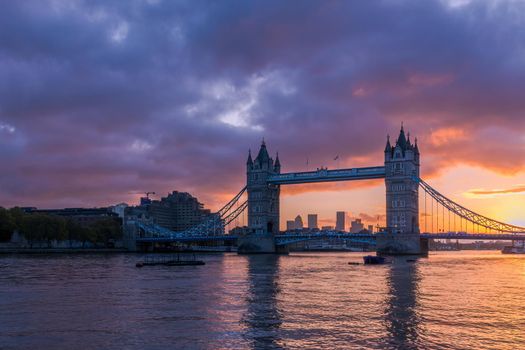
{"x":137,"y":119}
{"x":331,"y":221}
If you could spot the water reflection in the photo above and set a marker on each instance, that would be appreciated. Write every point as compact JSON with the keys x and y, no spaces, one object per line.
{"x":263,"y":317}
{"x":401,"y":312}
{"x":453,"y":300}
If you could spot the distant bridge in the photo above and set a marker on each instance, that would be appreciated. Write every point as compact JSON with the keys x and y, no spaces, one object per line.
{"x":290,"y":238}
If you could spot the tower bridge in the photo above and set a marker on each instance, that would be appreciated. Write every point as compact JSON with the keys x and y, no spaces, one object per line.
{"x":401,"y":174}
{"x":402,"y":234}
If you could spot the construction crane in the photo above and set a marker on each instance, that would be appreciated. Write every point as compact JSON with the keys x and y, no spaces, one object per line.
{"x":144,"y":200}
{"x":146,"y":193}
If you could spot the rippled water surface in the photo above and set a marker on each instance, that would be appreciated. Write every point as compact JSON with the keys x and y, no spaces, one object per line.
{"x":461,"y":300}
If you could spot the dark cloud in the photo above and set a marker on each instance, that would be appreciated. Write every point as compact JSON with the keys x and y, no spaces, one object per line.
{"x":102,"y":98}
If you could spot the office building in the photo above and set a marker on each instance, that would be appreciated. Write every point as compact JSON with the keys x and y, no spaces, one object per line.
{"x":340,"y":221}
{"x":298,"y":222}
{"x":356,"y":226}
{"x":312,"y":221}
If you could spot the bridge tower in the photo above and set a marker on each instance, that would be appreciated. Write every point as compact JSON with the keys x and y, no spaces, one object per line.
{"x":263,"y":203}
{"x":402,"y":205}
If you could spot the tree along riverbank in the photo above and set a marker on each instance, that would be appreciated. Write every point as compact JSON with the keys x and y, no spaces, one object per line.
{"x":62,"y":251}
{"x":36,"y":230}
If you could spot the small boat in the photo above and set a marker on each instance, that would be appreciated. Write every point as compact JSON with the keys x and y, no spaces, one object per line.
{"x":353,"y":263}
{"x":513,"y":250}
{"x":171,"y":263}
{"x":155,"y":261}
{"x":184,"y":262}
{"x":373,"y":260}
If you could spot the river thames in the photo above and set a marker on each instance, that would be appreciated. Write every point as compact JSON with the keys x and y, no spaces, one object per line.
{"x":459,"y":300}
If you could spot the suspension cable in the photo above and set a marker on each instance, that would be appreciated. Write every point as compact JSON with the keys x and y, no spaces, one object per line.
{"x":469,"y":215}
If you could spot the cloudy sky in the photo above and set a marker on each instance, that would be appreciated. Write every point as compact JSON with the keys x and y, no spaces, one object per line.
{"x":100,"y":100}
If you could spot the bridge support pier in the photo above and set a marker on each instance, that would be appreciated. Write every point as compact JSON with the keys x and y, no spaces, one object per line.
{"x":282,"y":249}
{"x":257,"y":244}
{"x":399,"y":244}
{"x":129,"y":237}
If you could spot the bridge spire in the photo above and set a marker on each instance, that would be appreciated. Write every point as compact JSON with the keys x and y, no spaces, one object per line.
{"x":263,"y":158}
{"x":401,"y":140}
{"x":249,"y":162}
{"x":388,"y":147}
{"x":277,"y":164}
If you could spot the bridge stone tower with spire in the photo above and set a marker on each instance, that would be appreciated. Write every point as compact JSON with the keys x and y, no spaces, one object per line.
{"x":263,"y":203}
{"x":402,"y":205}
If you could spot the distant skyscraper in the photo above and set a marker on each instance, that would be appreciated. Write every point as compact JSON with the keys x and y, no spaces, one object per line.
{"x":340,"y":223}
{"x":371,"y":228}
{"x":290,"y":225}
{"x":312,"y":221}
{"x":356,"y":226}
{"x":298,"y":222}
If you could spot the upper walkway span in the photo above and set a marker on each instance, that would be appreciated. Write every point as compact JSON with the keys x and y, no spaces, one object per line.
{"x":325,"y":175}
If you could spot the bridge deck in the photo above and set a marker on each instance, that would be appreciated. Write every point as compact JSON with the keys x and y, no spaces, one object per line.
{"x":325,"y":175}
{"x":288,"y":237}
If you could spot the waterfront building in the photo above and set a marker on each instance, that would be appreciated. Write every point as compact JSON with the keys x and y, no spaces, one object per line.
{"x":312,"y":221}
{"x":178,"y":211}
{"x":290,"y":225}
{"x":371,"y":228}
{"x":356,"y":226}
{"x":119,"y":209}
{"x":145,"y":201}
{"x":299,"y":222}
{"x":139,"y":212}
{"x":340,"y":221}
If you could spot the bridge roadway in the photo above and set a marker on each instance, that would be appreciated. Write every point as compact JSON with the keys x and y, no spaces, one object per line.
{"x":289,"y":238}
{"x":325,"y":175}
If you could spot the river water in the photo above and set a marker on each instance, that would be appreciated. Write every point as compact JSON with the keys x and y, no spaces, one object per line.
{"x":458,"y":300}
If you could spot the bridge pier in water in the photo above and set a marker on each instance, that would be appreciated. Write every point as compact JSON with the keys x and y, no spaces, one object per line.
{"x":401,"y":235}
{"x":260,"y":244}
{"x":263,"y":204}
